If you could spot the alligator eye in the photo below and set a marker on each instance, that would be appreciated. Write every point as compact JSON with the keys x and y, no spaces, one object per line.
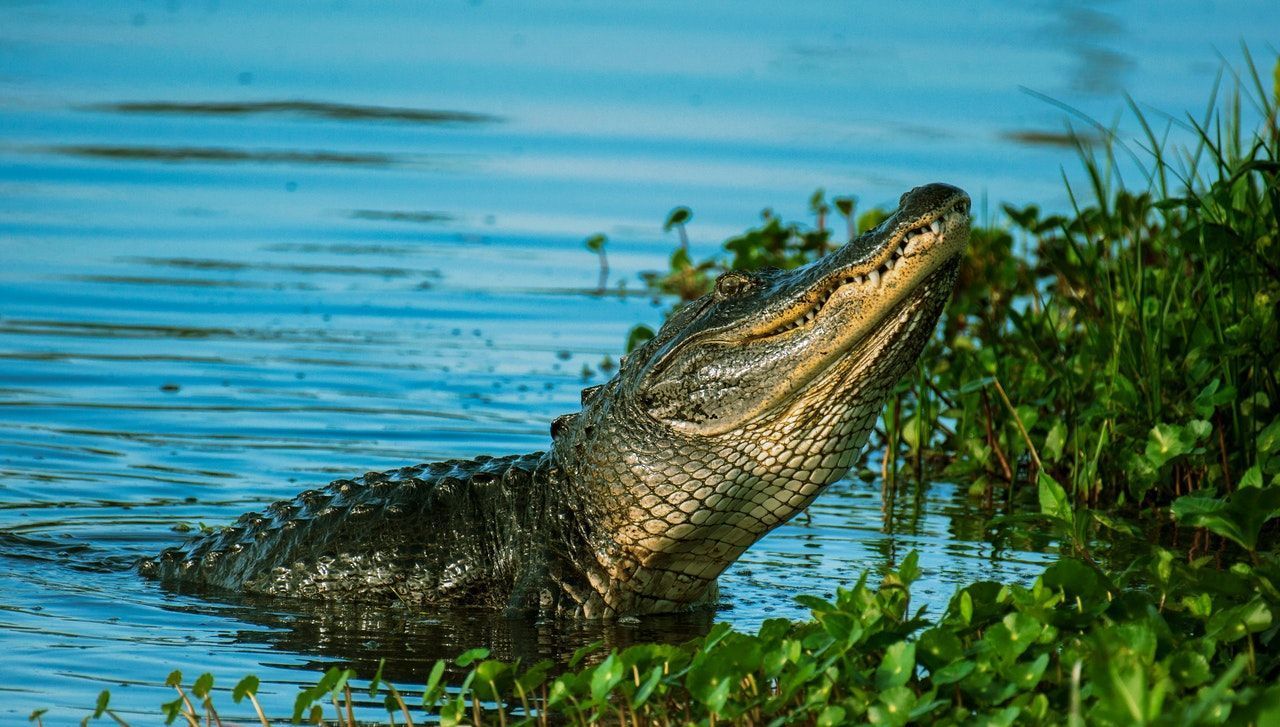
{"x":732,"y":283}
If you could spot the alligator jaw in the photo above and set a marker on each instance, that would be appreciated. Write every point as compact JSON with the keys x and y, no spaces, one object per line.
{"x":904,"y":259}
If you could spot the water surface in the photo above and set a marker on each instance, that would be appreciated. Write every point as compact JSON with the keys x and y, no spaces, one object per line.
{"x":248,"y":249}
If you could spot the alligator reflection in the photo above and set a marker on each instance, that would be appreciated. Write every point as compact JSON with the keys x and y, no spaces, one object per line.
{"x":358,"y":636}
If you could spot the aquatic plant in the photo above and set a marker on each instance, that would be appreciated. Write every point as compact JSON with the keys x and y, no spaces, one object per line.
{"x":1164,"y":641}
{"x":596,"y":243}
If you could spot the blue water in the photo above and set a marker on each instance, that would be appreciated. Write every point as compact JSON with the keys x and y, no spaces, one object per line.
{"x":210,"y":300}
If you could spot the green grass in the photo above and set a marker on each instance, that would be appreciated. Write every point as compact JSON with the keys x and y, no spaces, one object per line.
{"x":1098,"y":372}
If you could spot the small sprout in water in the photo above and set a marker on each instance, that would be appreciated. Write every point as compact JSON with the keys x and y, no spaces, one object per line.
{"x":596,"y":244}
{"x":846,"y":206}
{"x":104,"y":699}
{"x":818,"y":206}
{"x":607,"y":364}
{"x":248,"y":687}
{"x":677,"y":219}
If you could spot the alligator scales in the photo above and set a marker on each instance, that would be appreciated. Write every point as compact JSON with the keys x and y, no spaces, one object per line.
{"x":745,"y":406}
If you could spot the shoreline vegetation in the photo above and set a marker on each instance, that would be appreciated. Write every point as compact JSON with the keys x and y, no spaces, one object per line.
{"x":1110,"y":376}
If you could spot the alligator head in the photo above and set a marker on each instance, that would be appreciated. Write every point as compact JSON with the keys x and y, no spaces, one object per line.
{"x":746,"y":405}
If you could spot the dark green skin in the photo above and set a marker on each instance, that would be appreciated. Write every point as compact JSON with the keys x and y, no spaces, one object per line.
{"x":746,"y":405}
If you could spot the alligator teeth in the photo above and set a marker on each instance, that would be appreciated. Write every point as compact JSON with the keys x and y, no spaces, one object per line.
{"x":874,"y":277}
{"x":935,"y":227}
{"x":889,"y":265}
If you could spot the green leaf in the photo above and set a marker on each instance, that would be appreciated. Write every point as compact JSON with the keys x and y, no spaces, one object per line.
{"x":638,"y":336}
{"x":453,"y":712}
{"x":1269,"y":438}
{"x":845,"y":205}
{"x":104,"y":698}
{"x":596,"y":242}
{"x":893,"y":706}
{"x":433,"y":690}
{"x":1240,"y":516}
{"x":534,"y":676}
{"x":1252,"y":477}
{"x":1240,"y":621}
{"x":646,"y":687}
{"x":832,"y":716}
{"x":952,"y":673}
{"x":814,"y":604}
{"x":582,"y":652}
{"x":377,"y":678}
{"x":938,"y":647}
{"x":1166,"y":442}
{"x":898,"y":665}
{"x":1189,"y":668}
{"x":174,"y":679}
{"x":677,"y":216}
{"x":1027,"y":676}
{"x":966,"y":607}
{"x":606,"y":676}
{"x":1054,"y":442}
{"x":1013,"y":635}
{"x":203,"y":685}
{"x":1053,"y":499}
{"x":471,"y":655}
{"x":245,"y":687}
{"x":909,"y":571}
{"x":172,"y":709}
{"x":716,"y":696}
{"x":975,"y":385}
{"x":492,"y":680}
{"x":680,"y":260}
{"x":1210,"y":398}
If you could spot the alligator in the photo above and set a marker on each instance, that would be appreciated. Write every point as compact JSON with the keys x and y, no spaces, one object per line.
{"x":743,"y":407}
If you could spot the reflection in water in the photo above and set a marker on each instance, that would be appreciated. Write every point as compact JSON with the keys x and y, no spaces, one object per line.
{"x":306,"y":269}
{"x":218,"y":155}
{"x":359,"y":636}
{"x":1063,"y":139}
{"x":1093,"y":37}
{"x":399,"y":216}
{"x":318,"y":109}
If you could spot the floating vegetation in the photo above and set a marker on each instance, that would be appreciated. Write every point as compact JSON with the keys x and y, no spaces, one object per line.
{"x":179,"y":154}
{"x":315,"y":109}
{"x":401,"y":216}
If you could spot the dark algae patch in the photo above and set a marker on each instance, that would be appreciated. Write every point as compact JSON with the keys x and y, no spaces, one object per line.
{"x":297,"y":107}
{"x":1107,"y":377}
{"x":179,"y":154}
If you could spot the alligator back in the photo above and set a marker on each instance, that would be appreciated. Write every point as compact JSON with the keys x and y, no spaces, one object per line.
{"x":457,"y":532}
